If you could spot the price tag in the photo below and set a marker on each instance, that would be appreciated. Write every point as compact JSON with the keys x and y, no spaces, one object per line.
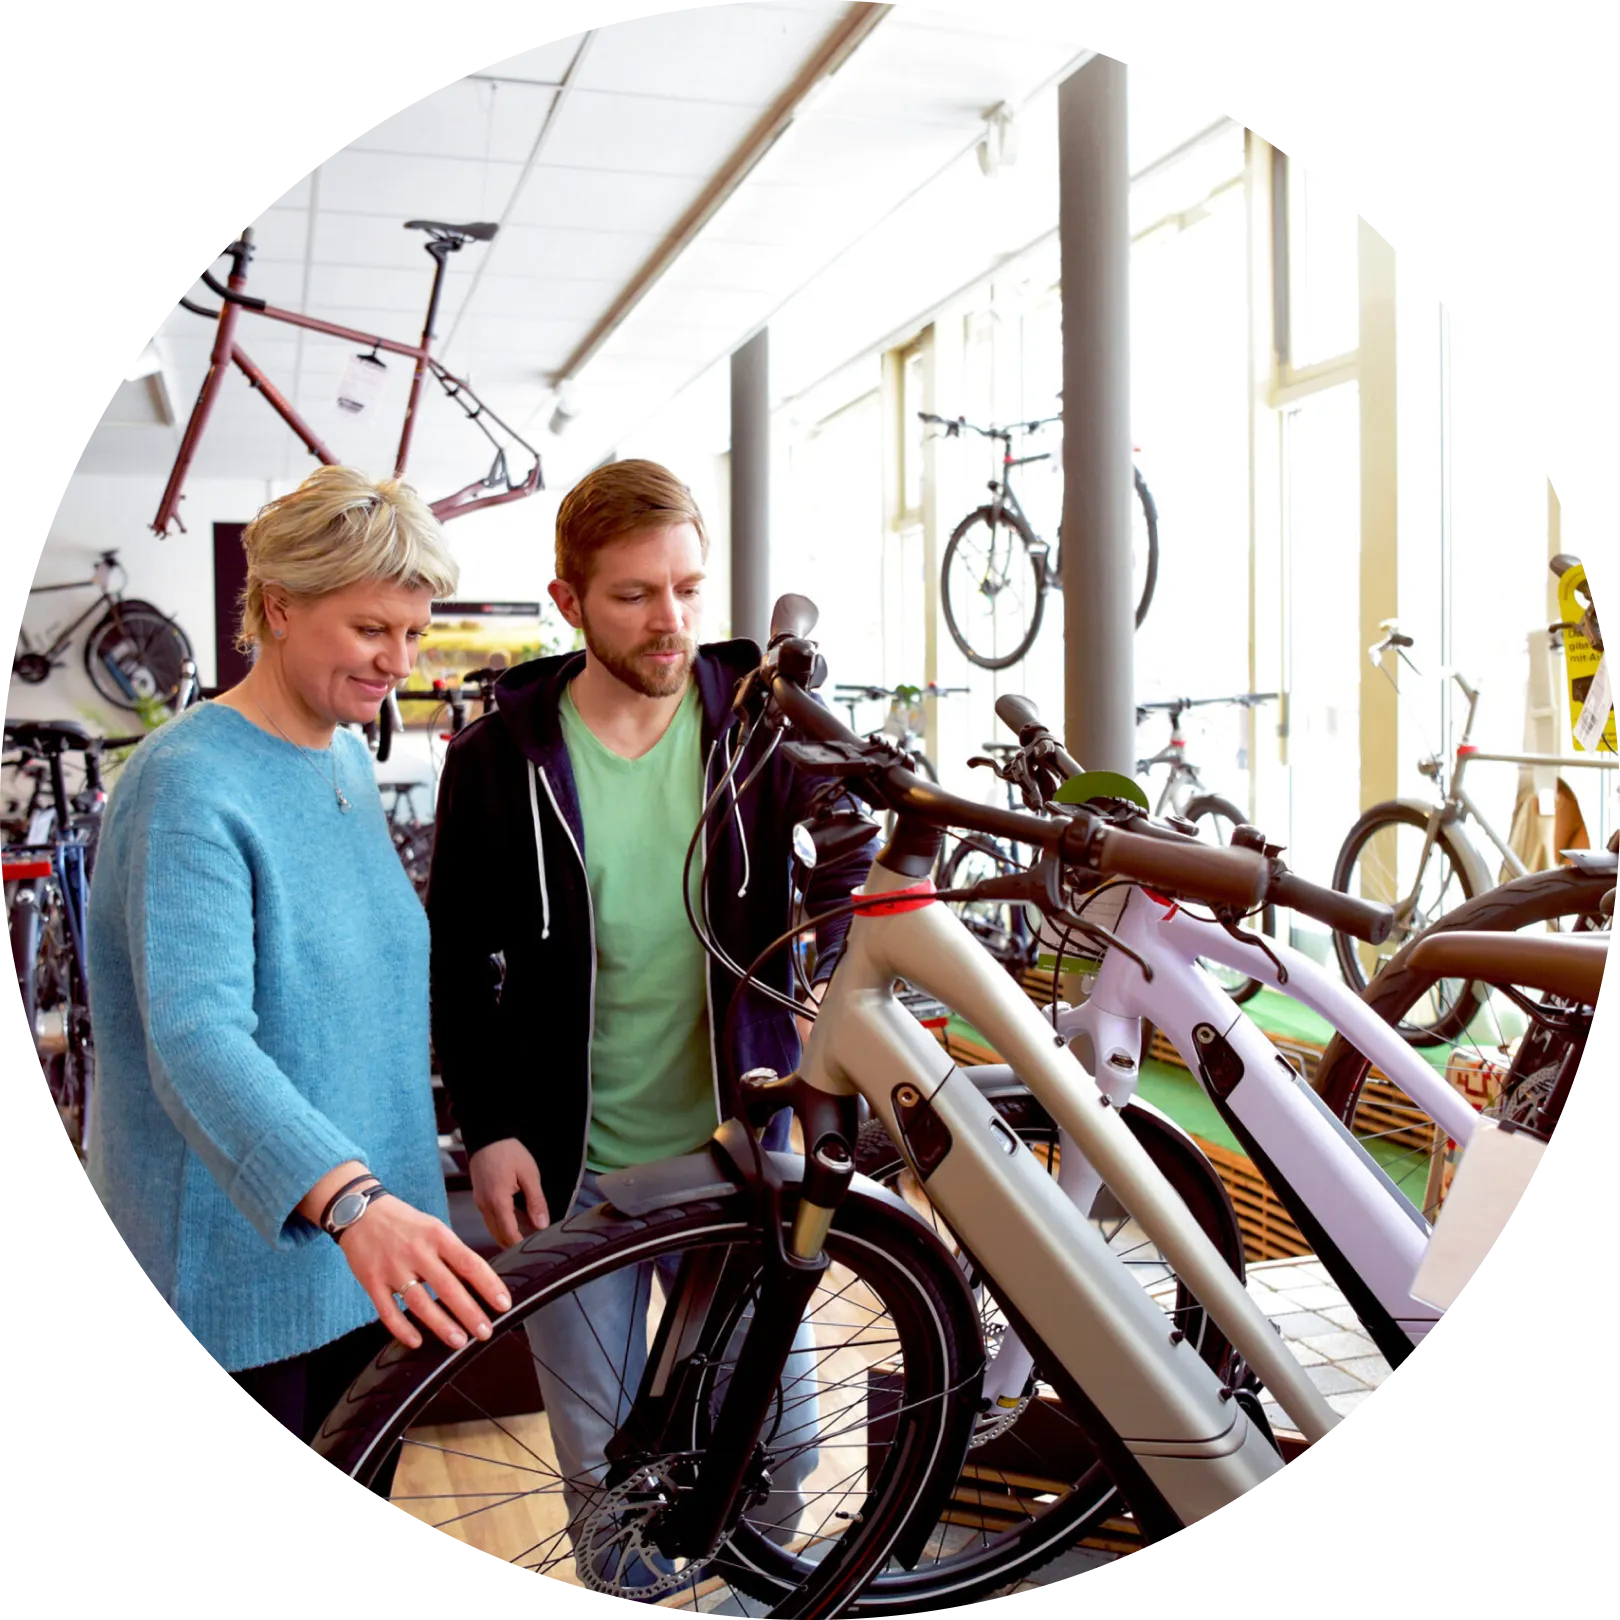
{"x":1591,"y":698}
{"x":1593,"y":719}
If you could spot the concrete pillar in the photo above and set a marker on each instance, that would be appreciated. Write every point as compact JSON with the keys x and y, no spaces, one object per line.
{"x":1099,"y":689}
{"x":751,"y":489}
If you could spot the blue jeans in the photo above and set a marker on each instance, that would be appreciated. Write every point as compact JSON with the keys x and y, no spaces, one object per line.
{"x":590,"y":1349}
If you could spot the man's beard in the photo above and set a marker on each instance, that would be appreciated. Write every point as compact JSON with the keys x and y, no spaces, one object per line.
{"x":651,"y":680}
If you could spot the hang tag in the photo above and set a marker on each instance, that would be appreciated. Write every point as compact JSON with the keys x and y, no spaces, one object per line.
{"x":1593,"y":720}
{"x":361,"y":383}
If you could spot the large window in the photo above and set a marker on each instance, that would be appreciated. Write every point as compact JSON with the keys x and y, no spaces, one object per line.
{"x":1320,"y":312}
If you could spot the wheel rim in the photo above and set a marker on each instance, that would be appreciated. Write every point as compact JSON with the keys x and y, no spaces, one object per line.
{"x":991,"y":589}
{"x":1385,"y":869}
{"x":492,"y":1480}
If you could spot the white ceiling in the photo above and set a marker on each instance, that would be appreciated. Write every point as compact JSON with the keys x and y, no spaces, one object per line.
{"x":587,"y":151}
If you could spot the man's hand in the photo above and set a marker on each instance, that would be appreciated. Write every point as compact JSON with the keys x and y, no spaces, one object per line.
{"x":803,"y":1024}
{"x":499,"y":1173}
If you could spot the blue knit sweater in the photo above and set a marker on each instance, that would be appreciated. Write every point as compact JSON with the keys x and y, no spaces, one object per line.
{"x":259,"y":1000}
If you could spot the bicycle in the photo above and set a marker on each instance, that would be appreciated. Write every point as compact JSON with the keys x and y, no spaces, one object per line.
{"x":133,"y":654}
{"x":1416,"y":854}
{"x":714,"y":1419}
{"x":47,"y":888}
{"x":359,"y":385}
{"x":1185,"y":796}
{"x":1510,"y":1051}
{"x":1371,"y":1234}
{"x":1004,"y":928}
{"x":979,"y":571}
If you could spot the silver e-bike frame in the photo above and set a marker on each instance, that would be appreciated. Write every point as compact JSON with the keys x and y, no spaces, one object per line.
{"x":1181,"y":1434}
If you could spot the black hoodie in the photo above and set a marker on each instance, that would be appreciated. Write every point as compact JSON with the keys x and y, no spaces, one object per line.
{"x":513,"y":964}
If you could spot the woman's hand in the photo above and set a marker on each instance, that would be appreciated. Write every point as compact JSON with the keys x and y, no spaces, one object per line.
{"x":499,"y":1173}
{"x":395,"y":1248}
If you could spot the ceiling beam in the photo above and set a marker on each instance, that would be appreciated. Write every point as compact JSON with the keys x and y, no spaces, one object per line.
{"x":846,"y":37}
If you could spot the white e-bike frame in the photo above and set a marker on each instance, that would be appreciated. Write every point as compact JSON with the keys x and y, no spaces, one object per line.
{"x":1185,"y":1446}
{"x":1367,"y":1233}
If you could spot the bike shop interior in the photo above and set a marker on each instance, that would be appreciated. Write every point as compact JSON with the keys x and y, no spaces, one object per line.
{"x":796,"y":253}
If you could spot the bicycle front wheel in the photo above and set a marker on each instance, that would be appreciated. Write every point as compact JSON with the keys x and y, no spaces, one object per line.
{"x":1215,"y":818}
{"x":861,"y":1420}
{"x":1384,"y":859}
{"x":135,"y":655}
{"x":1032,"y":1485}
{"x":993,"y":587}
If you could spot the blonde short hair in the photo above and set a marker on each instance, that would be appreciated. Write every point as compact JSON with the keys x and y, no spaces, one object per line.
{"x":614,"y":502}
{"x":336,"y":529}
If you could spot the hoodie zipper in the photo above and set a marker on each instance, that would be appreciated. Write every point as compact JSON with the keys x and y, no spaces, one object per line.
{"x":590,"y":917}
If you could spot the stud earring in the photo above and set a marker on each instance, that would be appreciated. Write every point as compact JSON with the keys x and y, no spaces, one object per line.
{"x":279,"y":634}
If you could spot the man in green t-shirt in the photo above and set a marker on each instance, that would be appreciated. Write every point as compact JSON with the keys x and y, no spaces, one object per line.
{"x":597,"y":1049}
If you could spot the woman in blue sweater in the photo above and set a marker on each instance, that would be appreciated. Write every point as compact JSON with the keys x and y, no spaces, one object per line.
{"x":264,"y":1134}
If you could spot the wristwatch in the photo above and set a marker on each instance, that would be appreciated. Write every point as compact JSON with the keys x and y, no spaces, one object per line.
{"x":348,"y":1204}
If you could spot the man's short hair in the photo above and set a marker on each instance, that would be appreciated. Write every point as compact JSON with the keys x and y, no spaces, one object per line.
{"x":613,"y":503}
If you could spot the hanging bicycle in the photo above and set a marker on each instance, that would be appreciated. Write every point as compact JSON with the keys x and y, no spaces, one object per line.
{"x":997,"y":570}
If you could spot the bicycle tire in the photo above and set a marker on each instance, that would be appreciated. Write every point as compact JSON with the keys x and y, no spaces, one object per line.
{"x":1347,"y":949}
{"x":367,"y":1430}
{"x":988,"y":1563}
{"x":1208,"y":807}
{"x":26,"y":929}
{"x":146,"y":646}
{"x":955,"y":611}
{"x":1541,"y":897}
{"x":1150,"y":514}
{"x":1011,"y":940}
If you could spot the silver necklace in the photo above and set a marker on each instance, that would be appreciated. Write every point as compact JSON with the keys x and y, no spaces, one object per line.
{"x":304,"y":753}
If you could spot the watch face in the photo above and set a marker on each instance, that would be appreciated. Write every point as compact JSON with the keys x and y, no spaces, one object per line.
{"x":347,"y":1210}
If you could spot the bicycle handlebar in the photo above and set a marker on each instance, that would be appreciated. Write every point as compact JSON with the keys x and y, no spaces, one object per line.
{"x":955,"y":425}
{"x":1141,"y":851}
{"x":1363,"y":919}
{"x":1247,"y":700}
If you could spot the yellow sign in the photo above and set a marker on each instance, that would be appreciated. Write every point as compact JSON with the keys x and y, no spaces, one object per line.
{"x":1584,"y":664}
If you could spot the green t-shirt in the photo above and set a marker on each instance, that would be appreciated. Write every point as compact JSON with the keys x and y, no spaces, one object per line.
{"x":652,"y":1084}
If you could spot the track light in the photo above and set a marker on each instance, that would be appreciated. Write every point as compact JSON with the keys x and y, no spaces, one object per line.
{"x":998,"y":146}
{"x":565,"y":411}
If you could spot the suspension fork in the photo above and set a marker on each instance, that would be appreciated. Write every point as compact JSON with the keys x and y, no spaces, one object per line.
{"x":689,"y":1336}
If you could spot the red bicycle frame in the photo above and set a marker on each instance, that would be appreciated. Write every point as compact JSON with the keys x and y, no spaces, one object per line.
{"x":444,"y":240}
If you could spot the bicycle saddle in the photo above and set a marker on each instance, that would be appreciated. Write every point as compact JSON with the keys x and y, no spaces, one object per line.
{"x":49,"y":736}
{"x":1566,"y":965}
{"x":484,"y":232}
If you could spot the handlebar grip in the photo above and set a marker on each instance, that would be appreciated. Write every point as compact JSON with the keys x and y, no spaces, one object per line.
{"x":1017,"y":712}
{"x":1224,"y":877}
{"x":1364,"y":919}
{"x":793,"y":615}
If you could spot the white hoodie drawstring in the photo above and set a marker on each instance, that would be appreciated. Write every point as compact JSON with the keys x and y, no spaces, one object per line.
{"x":736,"y":810}
{"x":539,"y":854}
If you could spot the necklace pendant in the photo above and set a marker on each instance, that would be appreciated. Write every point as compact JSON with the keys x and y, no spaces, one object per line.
{"x":343,"y":804}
